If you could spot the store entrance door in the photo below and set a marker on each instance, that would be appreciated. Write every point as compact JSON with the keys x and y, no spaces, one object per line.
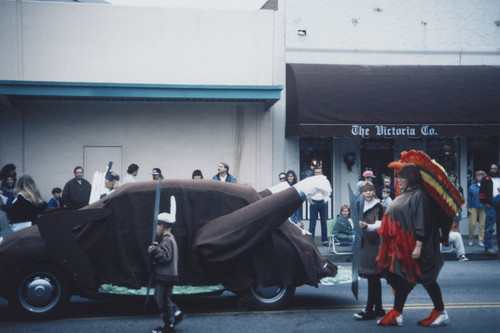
{"x":376,"y":154}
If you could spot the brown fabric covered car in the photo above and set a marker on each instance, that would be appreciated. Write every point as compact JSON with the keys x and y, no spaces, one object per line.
{"x":226,"y":233}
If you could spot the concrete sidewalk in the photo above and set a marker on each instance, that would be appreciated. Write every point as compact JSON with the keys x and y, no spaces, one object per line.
{"x":474,"y":252}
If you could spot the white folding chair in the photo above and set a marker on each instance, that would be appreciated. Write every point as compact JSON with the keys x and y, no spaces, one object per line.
{"x":333,"y":242}
{"x":445,"y":248}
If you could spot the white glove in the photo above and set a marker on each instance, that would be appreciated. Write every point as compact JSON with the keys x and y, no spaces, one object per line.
{"x":312,"y":185}
{"x":278,"y":188}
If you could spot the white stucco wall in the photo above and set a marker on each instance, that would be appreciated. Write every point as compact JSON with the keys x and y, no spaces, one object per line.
{"x":393,"y":32}
{"x":176,"y":138}
{"x":78,"y":42}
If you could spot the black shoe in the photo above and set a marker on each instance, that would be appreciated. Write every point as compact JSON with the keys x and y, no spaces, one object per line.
{"x":164,"y":328}
{"x":365,"y":315}
{"x":159,"y":329}
{"x":178,"y":316}
{"x":380,"y":312}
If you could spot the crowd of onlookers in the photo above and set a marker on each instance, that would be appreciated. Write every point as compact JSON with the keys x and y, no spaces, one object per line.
{"x":21,"y":202}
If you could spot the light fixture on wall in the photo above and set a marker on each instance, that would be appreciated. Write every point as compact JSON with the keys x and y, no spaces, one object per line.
{"x":302,"y":32}
{"x":349,"y":160}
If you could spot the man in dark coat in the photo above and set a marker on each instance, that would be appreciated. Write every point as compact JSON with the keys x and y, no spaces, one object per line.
{"x":487,"y":193}
{"x":76,"y":192}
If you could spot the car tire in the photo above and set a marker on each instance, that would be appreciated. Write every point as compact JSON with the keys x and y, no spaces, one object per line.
{"x":266,"y":298}
{"x":39,"y":292}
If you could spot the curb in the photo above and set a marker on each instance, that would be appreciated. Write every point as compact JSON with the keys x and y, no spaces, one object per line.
{"x":474,"y":256}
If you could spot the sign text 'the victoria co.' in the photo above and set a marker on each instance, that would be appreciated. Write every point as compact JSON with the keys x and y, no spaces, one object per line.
{"x":392,"y":131}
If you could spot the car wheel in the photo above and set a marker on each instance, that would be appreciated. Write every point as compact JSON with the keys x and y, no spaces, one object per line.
{"x":267,"y":298}
{"x":40,"y":292}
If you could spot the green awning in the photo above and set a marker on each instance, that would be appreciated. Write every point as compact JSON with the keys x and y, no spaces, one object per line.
{"x":265,"y":96}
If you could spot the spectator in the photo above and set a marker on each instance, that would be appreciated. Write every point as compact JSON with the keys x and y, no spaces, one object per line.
{"x":223,"y":174}
{"x":8,"y":178}
{"x":387,"y":184}
{"x":111,"y":182}
{"x":27,"y":204}
{"x":386,"y":197}
{"x":282,"y":177}
{"x":157,"y":175}
{"x":7,"y":169}
{"x":495,"y":178}
{"x":454,"y":180}
{"x":296,"y":217}
{"x":318,"y":206}
{"x":455,"y":240}
{"x":476,"y":209}
{"x":4,"y":226}
{"x":56,"y":201}
{"x":76,"y":192}
{"x":4,"y":221}
{"x":486,"y":195}
{"x":368,"y":176}
{"x":197,"y":174}
{"x":132,"y":171}
{"x":373,"y":211}
{"x":343,"y":228}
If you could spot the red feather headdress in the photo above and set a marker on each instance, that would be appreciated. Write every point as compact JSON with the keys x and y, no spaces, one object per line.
{"x":435,"y":180}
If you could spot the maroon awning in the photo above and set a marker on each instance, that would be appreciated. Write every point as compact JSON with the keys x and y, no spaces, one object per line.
{"x":392,"y":101}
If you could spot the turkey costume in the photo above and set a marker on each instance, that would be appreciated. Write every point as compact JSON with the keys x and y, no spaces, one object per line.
{"x":420,"y":216}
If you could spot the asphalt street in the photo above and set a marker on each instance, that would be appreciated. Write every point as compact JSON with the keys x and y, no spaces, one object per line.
{"x":471,"y":291}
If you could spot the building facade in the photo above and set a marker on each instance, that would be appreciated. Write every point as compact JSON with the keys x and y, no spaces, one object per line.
{"x":368,"y":80}
{"x":286,"y":85}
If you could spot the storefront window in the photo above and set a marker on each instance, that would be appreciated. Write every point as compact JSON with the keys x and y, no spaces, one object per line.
{"x":376,"y":154}
{"x":481,"y":152}
{"x":445,"y":152}
{"x":316,"y":152}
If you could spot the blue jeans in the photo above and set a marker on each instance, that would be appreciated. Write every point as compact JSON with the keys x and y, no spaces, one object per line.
{"x":320,"y":207}
{"x":297,"y":215}
{"x":491,"y":217}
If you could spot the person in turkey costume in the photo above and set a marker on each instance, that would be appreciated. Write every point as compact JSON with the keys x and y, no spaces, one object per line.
{"x":412,"y":227}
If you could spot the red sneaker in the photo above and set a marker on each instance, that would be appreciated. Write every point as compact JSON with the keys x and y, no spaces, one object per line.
{"x":436,"y":318}
{"x":392,"y":318}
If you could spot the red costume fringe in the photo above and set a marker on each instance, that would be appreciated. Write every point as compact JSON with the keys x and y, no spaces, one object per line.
{"x":397,"y":244}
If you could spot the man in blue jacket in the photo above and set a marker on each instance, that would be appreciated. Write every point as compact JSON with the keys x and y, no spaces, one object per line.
{"x":223,"y":174}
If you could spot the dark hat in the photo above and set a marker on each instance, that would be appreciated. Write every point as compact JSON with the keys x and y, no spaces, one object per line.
{"x":156,"y":171}
{"x":109,"y":176}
